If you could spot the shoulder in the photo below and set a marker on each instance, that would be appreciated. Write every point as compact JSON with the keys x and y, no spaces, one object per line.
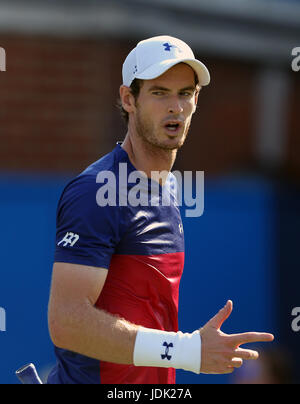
{"x":85,"y":185}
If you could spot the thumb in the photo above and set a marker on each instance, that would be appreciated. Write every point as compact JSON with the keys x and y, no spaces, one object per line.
{"x":221,"y":316}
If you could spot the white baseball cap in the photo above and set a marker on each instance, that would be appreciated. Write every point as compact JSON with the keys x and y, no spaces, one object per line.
{"x":154,"y":56}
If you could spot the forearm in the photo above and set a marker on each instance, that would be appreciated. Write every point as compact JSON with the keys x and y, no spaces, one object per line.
{"x":77,"y":325}
{"x":100,"y":335}
{"x":92,"y":332}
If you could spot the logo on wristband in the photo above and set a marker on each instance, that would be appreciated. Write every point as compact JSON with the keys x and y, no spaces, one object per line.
{"x":166,"y":354}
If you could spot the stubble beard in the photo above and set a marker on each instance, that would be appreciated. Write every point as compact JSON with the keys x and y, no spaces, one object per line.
{"x":146,"y":131}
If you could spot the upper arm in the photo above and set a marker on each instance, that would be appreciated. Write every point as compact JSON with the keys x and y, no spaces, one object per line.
{"x":86,"y":238}
{"x":77,"y":282}
{"x":86,"y":233}
{"x":73,"y":286}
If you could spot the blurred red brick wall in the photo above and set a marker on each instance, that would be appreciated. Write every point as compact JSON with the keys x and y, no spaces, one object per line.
{"x":222,"y":131}
{"x":58,"y":108}
{"x":57,"y":103}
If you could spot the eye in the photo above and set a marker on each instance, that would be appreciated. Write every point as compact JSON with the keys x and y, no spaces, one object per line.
{"x":186,"y":94}
{"x":158,"y":93}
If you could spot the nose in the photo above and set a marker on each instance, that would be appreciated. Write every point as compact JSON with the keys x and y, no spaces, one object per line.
{"x":175,"y":106}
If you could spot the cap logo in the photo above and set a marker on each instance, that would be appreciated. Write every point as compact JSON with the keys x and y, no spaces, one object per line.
{"x":168,"y":46}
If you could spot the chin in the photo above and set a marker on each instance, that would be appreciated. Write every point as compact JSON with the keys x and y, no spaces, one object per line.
{"x":170,"y":147}
{"x":174,"y":144}
{"x":177,"y":145}
{"x":170,"y":143}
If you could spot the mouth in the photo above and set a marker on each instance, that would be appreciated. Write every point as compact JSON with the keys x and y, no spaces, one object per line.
{"x":173,"y":127}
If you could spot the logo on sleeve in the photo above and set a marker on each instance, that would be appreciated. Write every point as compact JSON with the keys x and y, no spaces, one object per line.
{"x":166,"y":354}
{"x":69,"y":239}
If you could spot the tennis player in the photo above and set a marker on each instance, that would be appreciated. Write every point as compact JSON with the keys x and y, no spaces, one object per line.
{"x":113,"y":305}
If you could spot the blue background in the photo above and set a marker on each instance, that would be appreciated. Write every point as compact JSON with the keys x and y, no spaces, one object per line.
{"x":230,"y":254}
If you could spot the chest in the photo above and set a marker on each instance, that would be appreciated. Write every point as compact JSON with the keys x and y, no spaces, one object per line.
{"x":152,"y":230}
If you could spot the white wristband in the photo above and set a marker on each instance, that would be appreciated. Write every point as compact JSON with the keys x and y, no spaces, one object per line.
{"x":168,"y":349}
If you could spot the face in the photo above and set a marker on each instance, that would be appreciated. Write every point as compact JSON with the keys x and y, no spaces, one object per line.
{"x":164,"y":108}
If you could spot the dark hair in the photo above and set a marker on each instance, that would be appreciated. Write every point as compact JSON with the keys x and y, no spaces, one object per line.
{"x":135,"y":88}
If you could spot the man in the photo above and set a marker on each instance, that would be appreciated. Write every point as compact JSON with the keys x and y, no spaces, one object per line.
{"x":114,"y":296}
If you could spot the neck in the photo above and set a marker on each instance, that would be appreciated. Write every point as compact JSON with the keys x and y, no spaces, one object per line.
{"x":148,"y":158}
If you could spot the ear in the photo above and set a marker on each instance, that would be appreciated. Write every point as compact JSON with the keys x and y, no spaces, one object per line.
{"x":127,"y":99}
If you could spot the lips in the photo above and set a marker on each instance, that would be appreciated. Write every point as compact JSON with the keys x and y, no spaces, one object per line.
{"x":173,"y":126}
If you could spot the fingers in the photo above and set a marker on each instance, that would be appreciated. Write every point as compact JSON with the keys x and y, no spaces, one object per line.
{"x":236,"y":362}
{"x":227,"y":366}
{"x":246,"y":354}
{"x":221,"y":353}
{"x":248,"y":337}
{"x":228,"y":361}
{"x":243,"y":354}
{"x":221,"y":316}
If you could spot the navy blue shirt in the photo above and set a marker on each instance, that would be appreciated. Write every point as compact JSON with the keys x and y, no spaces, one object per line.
{"x":100,"y":224}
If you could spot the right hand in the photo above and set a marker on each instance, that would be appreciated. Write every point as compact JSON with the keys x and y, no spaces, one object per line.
{"x":221,"y":353}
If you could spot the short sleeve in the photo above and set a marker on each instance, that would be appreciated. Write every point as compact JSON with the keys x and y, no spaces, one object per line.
{"x":86,"y":233}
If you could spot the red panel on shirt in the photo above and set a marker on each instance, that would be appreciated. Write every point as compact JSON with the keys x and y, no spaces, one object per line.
{"x":143,"y":290}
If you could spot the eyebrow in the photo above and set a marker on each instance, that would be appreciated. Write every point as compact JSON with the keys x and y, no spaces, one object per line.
{"x":189,"y":88}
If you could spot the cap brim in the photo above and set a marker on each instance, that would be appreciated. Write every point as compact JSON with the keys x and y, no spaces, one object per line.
{"x":160,"y":68}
